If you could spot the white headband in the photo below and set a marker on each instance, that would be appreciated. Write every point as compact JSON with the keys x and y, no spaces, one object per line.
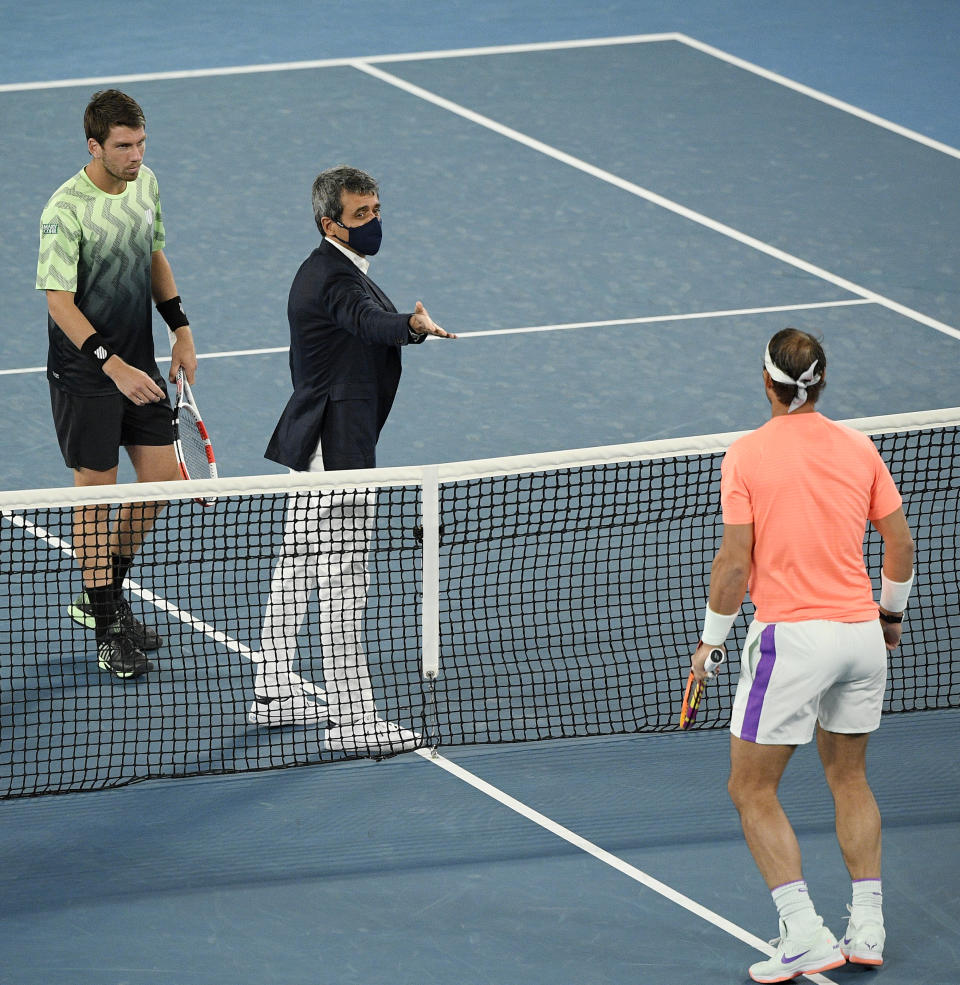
{"x":807,"y":378}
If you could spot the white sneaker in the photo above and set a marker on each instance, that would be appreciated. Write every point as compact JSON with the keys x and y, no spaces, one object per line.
{"x":296,"y":709}
{"x":863,"y":941}
{"x":375,"y":738}
{"x":799,"y":956}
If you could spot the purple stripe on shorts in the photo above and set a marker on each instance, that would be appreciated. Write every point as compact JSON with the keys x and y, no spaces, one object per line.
{"x":758,"y":690}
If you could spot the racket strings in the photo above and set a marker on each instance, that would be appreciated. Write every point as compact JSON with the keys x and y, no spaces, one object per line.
{"x":191,"y":435}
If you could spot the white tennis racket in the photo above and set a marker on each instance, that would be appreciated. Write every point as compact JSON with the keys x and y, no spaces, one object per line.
{"x":191,"y":442}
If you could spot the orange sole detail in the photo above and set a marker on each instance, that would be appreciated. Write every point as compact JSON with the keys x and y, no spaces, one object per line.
{"x":810,"y":971}
{"x":827,"y":967}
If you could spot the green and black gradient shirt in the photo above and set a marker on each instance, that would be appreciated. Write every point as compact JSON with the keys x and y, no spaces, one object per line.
{"x":100,"y":246}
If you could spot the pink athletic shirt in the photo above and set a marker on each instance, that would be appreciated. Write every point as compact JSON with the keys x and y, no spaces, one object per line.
{"x":808,"y":485}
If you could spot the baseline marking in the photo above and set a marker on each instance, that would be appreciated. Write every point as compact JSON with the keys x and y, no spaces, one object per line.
{"x":492,"y":50}
{"x":652,"y":197}
{"x":203,"y":73}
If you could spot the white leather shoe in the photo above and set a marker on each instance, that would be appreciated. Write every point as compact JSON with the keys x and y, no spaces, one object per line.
{"x":295,"y":709}
{"x":371,"y":738}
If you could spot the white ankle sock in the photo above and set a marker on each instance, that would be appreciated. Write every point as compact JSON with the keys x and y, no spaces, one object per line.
{"x":796,"y":909}
{"x":867,"y":901}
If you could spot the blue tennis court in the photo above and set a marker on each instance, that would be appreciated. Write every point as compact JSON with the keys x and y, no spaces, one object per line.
{"x":614,"y":209}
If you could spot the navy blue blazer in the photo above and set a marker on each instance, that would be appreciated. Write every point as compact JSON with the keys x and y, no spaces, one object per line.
{"x":345,"y":338}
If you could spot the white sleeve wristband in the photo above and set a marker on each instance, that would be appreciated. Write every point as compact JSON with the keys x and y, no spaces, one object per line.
{"x":894,"y":594}
{"x":716,"y":627}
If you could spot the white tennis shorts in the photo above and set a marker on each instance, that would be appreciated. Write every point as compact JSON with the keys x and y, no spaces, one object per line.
{"x":795,"y":674}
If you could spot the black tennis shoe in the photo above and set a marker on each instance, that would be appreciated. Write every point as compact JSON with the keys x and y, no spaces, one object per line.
{"x":144,"y":637}
{"x":117,"y":653}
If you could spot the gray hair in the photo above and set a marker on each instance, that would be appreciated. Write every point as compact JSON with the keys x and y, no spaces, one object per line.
{"x":329,"y":184}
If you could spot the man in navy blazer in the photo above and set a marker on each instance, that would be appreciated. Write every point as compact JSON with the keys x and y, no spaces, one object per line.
{"x":345,"y":339}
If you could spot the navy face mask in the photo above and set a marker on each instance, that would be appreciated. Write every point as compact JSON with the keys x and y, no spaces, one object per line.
{"x":364,"y":239}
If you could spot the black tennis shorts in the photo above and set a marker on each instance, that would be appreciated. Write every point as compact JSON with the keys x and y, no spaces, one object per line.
{"x":92,"y":429}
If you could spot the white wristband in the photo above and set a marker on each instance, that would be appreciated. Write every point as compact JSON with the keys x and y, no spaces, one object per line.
{"x":894,"y":594}
{"x":716,"y":627}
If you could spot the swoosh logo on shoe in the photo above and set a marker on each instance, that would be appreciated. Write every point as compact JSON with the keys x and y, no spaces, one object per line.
{"x":795,"y":957}
{"x":847,"y":940}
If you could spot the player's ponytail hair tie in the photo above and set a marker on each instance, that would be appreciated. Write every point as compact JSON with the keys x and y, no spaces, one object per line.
{"x":807,"y":378}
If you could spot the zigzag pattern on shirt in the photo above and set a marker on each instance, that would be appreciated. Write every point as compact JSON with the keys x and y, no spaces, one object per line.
{"x":70,"y":202}
{"x":102,"y":251}
{"x":115,"y":249}
{"x":66,"y":283}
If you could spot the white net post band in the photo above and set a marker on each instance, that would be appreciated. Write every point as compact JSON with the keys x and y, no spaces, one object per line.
{"x":430,"y":498}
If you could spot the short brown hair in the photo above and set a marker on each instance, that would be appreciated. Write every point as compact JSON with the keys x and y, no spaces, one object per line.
{"x":111,"y":108}
{"x":792,"y":351}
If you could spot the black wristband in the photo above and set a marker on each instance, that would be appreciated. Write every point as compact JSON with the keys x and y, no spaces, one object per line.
{"x":891,"y":619}
{"x":95,"y":346}
{"x":172,"y":313}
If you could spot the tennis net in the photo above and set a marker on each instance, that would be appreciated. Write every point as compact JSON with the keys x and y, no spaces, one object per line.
{"x":496,"y":601}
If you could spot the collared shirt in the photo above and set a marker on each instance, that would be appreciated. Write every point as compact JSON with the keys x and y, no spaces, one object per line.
{"x":363,"y":265}
{"x":361,"y":262}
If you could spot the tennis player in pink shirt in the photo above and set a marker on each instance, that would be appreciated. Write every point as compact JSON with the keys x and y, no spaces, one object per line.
{"x":797,"y":495}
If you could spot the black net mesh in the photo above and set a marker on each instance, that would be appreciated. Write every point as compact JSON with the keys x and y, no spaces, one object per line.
{"x":570,"y":599}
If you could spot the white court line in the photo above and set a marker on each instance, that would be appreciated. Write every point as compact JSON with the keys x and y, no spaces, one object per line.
{"x":820,"y":96}
{"x":548,"y":824}
{"x":202,"y":73}
{"x":491,"y":50}
{"x":652,"y":197}
{"x":607,"y":323}
{"x":656,"y":319}
{"x":366,"y":64}
{"x":453,"y":769}
{"x":197,"y":625}
{"x":430,"y":756}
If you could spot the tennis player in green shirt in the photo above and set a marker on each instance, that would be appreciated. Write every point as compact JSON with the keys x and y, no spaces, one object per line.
{"x":101,"y":265}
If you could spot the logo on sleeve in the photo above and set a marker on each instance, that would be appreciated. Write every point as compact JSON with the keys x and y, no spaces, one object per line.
{"x":50,"y":228}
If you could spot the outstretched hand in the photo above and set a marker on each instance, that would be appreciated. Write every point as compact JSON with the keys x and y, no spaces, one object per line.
{"x":421,"y":323}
